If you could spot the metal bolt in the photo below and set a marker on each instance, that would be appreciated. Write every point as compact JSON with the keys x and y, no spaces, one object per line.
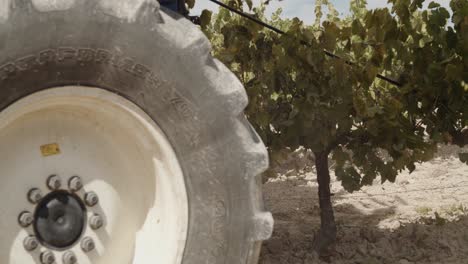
{"x":69,"y":258}
{"x":96,"y":222}
{"x":75,"y":184}
{"x":91,"y":199}
{"x":30,"y":243}
{"x":53,"y":182}
{"x":87,"y":244}
{"x":25,"y":219}
{"x":47,"y":257}
{"x":34,"y":195}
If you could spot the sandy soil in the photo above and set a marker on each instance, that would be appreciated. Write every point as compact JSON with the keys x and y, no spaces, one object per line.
{"x":422,"y":218}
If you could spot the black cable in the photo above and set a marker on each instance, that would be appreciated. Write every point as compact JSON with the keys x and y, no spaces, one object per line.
{"x":380,"y":76}
{"x":254,"y":19}
{"x":279,"y":31}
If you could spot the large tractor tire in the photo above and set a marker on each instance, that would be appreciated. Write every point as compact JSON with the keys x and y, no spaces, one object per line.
{"x":122,"y":140}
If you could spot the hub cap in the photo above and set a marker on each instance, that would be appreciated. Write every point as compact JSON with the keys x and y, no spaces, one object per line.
{"x":59,"y":219}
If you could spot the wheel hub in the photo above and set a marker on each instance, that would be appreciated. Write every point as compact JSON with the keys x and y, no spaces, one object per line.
{"x":59,"y":219}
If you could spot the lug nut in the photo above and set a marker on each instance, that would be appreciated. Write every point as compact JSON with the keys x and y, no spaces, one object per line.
{"x":96,"y":222}
{"x":34,"y":195}
{"x":75,"y":184}
{"x":69,"y":258}
{"x":30,"y":243}
{"x":25,"y":219}
{"x":87,"y":244}
{"x":91,"y":199}
{"x":47,"y":257}
{"x":53,"y":182}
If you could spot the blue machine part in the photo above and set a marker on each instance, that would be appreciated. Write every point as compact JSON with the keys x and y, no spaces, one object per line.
{"x":171,"y":4}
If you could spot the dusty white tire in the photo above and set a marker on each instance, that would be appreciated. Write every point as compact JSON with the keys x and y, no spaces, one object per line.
{"x":145,"y":116}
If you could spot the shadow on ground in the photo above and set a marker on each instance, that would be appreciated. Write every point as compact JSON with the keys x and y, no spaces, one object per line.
{"x":360,"y":240}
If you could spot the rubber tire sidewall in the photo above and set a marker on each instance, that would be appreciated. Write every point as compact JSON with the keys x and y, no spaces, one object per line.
{"x":40,"y":50}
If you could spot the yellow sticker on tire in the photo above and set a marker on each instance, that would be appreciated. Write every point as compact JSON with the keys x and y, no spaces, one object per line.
{"x":50,"y":149}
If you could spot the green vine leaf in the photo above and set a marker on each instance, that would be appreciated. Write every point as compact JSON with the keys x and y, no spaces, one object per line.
{"x":301,"y":97}
{"x":205,"y":19}
{"x":433,"y":5}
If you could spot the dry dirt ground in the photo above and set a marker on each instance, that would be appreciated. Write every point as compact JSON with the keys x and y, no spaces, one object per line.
{"x":421,"y":218}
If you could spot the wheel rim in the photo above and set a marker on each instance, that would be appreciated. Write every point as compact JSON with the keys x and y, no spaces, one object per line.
{"x":117,"y":151}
